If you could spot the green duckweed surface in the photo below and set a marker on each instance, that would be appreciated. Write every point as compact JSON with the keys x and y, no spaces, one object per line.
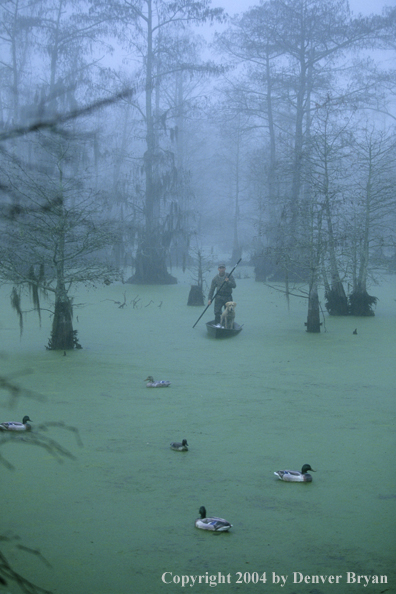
{"x":122,"y":513}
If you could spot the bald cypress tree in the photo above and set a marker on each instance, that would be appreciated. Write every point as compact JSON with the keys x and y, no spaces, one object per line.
{"x":52,"y":236}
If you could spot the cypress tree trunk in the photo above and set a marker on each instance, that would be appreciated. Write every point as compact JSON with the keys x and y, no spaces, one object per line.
{"x":360,"y":302}
{"x":313,"y":319}
{"x":336,"y":299}
{"x":150,"y":265}
{"x":196,"y":296}
{"x":62,"y":335}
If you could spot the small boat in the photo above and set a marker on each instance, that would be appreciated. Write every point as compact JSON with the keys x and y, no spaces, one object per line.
{"x":218,"y":331}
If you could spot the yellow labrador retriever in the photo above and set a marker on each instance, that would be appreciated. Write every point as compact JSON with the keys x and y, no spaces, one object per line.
{"x":228,"y":315}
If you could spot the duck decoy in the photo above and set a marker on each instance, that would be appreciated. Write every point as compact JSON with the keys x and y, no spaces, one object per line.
{"x":293,"y":476}
{"x":15,"y":426}
{"x":213,"y":523}
{"x":153,"y":384}
{"x":179,"y":447}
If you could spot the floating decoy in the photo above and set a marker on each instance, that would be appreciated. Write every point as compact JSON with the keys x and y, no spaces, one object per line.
{"x":180,"y":447}
{"x":153,"y":384}
{"x":15,"y":426}
{"x":213,"y":523}
{"x":293,"y":476}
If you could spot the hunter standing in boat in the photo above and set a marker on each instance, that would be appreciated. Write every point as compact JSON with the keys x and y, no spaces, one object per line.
{"x":223,"y":284}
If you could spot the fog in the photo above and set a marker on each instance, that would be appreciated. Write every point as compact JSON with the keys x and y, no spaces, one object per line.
{"x":143,"y":143}
{"x":171,"y":143}
{"x":365,"y":7}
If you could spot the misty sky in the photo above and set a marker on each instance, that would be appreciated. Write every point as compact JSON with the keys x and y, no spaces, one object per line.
{"x":363,"y":6}
{"x":370,"y":6}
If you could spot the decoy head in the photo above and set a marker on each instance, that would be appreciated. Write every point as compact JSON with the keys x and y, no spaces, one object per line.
{"x":305,"y":469}
{"x":184,"y":442}
{"x":202,"y":512}
{"x":149,"y":378}
{"x":26,"y":419}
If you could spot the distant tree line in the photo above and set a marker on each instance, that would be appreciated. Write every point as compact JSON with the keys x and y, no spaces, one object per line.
{"x":314,"y":102}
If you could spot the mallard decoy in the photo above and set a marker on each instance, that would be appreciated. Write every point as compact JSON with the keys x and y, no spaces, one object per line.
{"x":14,"y":426}
{"x":293,"y":476}
{"x":216,"y":524}
{"x":152,"y":384}
{"x":179,"y":447}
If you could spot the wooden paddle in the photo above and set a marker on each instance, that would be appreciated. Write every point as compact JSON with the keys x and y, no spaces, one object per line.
{"x":218,"y":291}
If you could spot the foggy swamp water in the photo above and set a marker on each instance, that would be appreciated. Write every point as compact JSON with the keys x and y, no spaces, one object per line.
{"x":120,"y":515}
